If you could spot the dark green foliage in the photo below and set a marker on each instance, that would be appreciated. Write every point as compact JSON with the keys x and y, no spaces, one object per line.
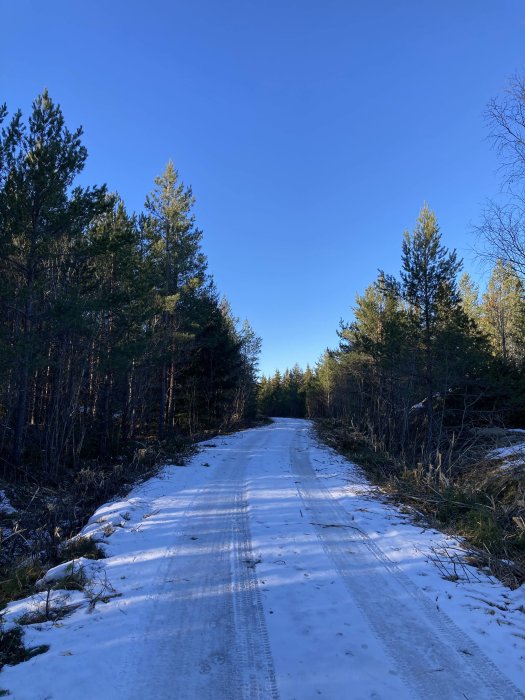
{"x":420,"y":373}
{"x":284,"y":395}
{"x":411,"y":371}
{"x":111,"y":330}
{"x":42,"y":223}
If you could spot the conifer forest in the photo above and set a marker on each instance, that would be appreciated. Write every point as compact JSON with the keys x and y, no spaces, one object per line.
{"x":262,"y":350}
{"x":426,"y":358}
{"x":112,"y":331}
{"x":429,"y":376}
{"x":428,"y":355}
{"x":118,"y":352}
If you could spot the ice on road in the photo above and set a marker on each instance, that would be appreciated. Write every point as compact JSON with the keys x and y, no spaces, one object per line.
{"x":269,"y":568}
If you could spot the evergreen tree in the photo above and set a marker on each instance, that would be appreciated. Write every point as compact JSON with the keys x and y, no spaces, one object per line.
{"x":311,"y":392}
{"x":250,"y":345}
{"x":408,"y":366}
{"x":110,"y":327}
{"x":469,"y":295}
{"x":379,"y":358}
{"x":121,"y":306}
{"x":43,"y":219}
{"x":173,"y":253}
{"x":428,"y":285}
{"x":283,"y":395}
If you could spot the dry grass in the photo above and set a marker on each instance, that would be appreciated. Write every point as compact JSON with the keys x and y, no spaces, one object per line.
{"x":476,"y":500}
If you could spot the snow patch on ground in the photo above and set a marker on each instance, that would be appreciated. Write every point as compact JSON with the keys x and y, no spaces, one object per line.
{"x":486,"y":610}
{"x":512,"y":455}
{"x":5,"y":504}
{"x":89,"y":647}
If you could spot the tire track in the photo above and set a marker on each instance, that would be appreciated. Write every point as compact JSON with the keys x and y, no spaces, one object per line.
{"x":207,"y":637}
{"x":434,"y":656}
{"x":255,"y":653}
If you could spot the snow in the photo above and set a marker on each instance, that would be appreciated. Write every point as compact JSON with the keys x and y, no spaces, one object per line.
{"x":511,"y":454}
{"x":277,"y":571}
{"x":52,"y":603}
{"x":5,"y":505}
{"x":80,"y":568}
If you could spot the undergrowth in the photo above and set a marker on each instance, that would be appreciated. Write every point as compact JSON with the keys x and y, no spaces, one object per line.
{"x":478,"y":501}
{"x":13,"y":651}
{"x":49,"y":513}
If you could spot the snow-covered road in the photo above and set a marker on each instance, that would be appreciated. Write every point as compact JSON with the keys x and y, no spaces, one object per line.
{"x":269,"y":568}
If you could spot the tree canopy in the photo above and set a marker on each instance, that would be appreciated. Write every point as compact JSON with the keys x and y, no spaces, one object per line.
{"x":111,"y":329}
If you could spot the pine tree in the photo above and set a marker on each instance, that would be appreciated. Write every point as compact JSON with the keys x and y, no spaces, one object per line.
{"x":311,"y":393}
{"x":121,"y":304}
{"x":378,"y":357}
{"x":178,"y":268}
{"x":326,"y":374}
{"x":43,"y":219}
{"x":250,"y":347}
{"x":469,"y":294}
{"x":110,"y":325}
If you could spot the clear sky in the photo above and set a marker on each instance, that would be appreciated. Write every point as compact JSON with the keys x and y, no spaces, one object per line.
{"x":311,"y":131}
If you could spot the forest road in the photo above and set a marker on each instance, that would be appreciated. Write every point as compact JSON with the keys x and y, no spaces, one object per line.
{"x":236,"y":619}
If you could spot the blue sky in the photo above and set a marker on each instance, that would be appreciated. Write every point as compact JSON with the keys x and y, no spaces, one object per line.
{"x":311,"y":131}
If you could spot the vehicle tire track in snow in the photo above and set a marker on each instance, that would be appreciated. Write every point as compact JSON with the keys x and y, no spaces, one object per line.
{"x":207,"y":637}
{"x":435,"y":657}
{"x":256,"y":657}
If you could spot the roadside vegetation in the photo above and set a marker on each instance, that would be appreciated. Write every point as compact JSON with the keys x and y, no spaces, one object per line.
{"x":430,"y":375}
{"x":481,"y":502}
